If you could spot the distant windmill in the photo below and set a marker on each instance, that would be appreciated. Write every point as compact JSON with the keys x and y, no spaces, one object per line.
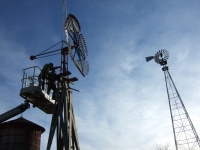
{"x":185,"y":135}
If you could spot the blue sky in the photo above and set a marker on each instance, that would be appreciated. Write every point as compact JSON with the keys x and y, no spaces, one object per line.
{"x":122,"y":102}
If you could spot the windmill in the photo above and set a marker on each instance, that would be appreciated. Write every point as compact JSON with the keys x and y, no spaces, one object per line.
{"x":185,"y":135}
{"x":61,"y":108}
{"x":63,"y":117}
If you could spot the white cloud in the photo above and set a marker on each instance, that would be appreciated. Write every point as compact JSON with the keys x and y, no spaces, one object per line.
{"x":123,"y":101}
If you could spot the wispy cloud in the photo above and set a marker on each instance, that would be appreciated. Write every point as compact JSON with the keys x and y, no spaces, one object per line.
{"x":123,"y":101}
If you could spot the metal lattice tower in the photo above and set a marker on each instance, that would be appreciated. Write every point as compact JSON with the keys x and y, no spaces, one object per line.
{"x":185,"y":135}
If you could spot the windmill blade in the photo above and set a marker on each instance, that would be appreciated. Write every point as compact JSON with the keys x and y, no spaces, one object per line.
{"x":72,"y":24}
{"x":149,"y":58}
{"x":82,"y":45}
{"x":83,"y":66}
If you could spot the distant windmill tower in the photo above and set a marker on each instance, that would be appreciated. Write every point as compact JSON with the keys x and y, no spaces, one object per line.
{"x":185,"y":135}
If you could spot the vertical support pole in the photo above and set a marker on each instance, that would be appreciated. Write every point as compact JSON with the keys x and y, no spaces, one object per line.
{"x":26,"y":80}
{"x":23,"y":78}
{"x":170,"y":109}
{"x":70,"y":122}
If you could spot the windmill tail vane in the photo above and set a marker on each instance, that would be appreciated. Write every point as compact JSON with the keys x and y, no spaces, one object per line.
{"x":149,"y":58}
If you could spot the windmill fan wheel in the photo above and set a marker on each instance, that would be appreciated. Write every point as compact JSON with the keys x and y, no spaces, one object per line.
{"x":78,"y":51}
{"x":161,"y":56}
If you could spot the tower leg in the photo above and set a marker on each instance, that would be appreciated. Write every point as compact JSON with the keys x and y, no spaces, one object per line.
{"x":64,"y":121}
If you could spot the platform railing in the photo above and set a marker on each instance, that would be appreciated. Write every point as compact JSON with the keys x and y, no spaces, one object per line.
{"x":30,"y":76}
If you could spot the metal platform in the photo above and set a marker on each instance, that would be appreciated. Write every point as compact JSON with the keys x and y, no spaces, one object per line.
{"x":38,"y":98}
{"x":34,"y":94}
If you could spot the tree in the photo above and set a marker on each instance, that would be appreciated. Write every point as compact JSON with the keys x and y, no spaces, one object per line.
{"x":160,"y":147}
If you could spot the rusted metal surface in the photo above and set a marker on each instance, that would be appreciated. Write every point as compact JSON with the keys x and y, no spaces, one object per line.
{"x":20,"y":134}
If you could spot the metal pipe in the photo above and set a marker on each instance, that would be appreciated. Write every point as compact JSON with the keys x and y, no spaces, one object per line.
{"x":14,"y":112}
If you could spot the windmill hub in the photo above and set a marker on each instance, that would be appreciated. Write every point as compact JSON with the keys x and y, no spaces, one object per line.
{"x":163,"y":62}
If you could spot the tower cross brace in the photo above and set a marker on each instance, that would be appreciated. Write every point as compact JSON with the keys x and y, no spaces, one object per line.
{"x":64,"y":121}
{"x":185,"y":135}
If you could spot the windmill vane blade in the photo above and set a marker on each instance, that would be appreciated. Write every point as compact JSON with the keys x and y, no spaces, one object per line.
{"x":72,"y":24}
{"x":149,"y":58}
{"x":83,"y":66}
{"x":161,"y":56}
{"x":83,"y":45}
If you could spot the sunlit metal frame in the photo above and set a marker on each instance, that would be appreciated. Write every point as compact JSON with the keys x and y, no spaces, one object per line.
{"x":185,"y":135}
